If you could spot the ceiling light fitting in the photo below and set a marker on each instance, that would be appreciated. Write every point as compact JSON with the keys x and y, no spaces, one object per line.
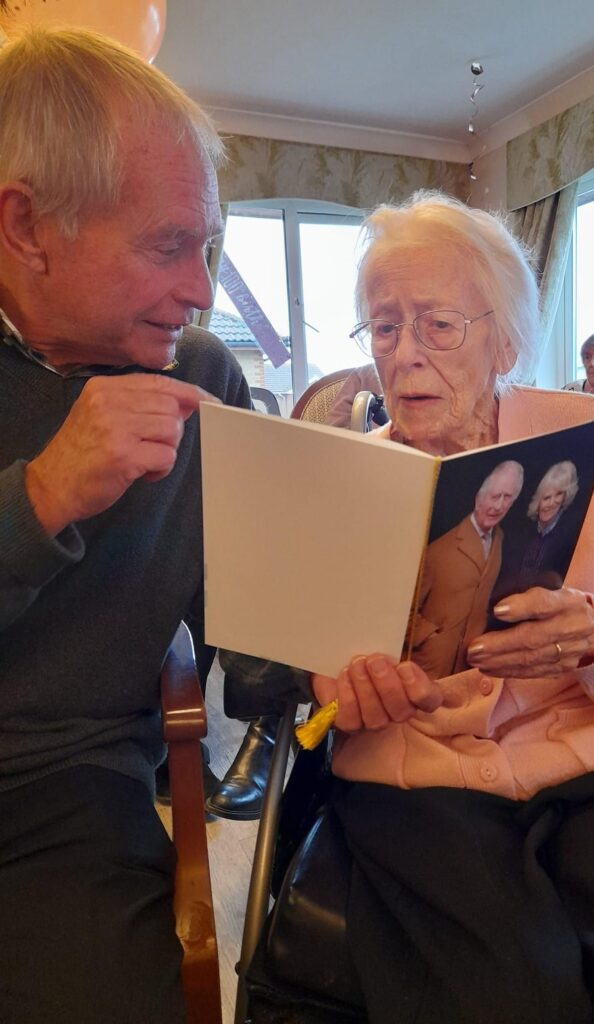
{"x":476,"y":69}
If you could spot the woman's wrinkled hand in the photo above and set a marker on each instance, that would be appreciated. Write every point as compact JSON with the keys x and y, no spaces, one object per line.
{"x":554,"y":633}
{"x":375,"y":690}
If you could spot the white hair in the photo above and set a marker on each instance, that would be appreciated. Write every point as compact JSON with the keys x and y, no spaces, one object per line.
{"x":498,"y":264}
{"x":503,"y":467}
{"x":563,"y":476}
{"x":64,"y":98}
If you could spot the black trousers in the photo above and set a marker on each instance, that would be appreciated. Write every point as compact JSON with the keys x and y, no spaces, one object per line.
{"x":87,"y":932}
{"x":467,"y":908}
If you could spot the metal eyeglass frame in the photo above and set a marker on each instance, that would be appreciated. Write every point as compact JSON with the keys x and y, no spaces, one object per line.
{"x":368,"y":351}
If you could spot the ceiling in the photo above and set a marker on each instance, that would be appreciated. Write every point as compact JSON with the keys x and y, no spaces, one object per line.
{"x":392,"y":65}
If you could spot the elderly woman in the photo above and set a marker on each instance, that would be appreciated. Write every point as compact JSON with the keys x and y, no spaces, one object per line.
{"x":467,"y":802}
{"x":548,"y":548}
{"x":554,"y":494}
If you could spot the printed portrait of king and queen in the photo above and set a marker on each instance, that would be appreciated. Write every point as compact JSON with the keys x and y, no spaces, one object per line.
{"x":519,"y":529}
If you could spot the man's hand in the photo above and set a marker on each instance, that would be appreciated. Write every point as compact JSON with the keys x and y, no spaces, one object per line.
{"x":376,"y":690}
{"x":119,"y":430}
{"x":554,"y":633}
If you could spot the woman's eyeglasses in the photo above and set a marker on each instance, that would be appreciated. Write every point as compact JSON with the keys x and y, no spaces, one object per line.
{"x":438,"y":329}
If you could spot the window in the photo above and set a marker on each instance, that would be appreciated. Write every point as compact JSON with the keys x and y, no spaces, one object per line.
{"x":285,"y":297}
{"x":583,"y":258}
{"x":575,"y":317}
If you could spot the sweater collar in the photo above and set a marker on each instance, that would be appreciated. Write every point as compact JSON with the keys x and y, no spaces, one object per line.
{"x":10,"y":335}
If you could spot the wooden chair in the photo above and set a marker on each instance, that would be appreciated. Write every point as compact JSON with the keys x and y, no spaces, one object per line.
{"x":184,"y":725}
{"x":268,"y":399}
{"x":315,"y":403}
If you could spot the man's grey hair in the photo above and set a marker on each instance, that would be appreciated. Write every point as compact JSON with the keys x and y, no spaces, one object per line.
{"x":65,"y":98}
{"x":497,"y":264}
{"x":503,"y":467}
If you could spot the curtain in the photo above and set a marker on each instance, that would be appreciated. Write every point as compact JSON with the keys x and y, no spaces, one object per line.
{"x":213,"y":260}
{"x":545,"y":159}
{"x":270,"y":169}
{"x":546,"y":226}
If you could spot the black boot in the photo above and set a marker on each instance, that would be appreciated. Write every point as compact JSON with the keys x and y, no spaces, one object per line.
{"x":240,"y":793}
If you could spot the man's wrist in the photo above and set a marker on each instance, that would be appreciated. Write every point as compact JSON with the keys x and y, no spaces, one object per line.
{"x":48,"y":511}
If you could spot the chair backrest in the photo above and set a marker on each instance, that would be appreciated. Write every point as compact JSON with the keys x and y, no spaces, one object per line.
{"x":266,"y":398}
{"x":184,"y":724}
{"x":315,"y":403}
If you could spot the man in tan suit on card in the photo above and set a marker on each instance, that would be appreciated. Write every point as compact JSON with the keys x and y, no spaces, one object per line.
{"x":459,"y":573}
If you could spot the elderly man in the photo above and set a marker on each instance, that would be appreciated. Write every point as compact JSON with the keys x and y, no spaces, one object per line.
{"x":108,"y":198}
{"x":459,"y":573}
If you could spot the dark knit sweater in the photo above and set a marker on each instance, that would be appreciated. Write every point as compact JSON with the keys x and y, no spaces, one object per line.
{"x":86,"y":618}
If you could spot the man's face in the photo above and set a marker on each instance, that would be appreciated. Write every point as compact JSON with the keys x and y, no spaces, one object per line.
{"x":497,"y":498}
{"x":121,"y":292}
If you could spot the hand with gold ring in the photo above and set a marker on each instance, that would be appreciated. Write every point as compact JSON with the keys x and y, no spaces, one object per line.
{"x":550,"y":632}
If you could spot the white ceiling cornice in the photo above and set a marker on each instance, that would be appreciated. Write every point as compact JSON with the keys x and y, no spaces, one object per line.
{"x":328,"y":133}
{"x":579,"y":88}
{"x":378,"y":140}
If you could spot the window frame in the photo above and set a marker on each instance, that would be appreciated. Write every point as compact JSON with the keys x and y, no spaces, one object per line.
{"x":560,"y":364}
{"x":294,"y":213}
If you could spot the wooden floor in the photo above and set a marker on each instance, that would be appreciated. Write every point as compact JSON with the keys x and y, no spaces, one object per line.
{"x":231,"y":847}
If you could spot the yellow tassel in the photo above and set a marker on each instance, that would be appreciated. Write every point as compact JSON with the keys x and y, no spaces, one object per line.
{"x":313,"y":731}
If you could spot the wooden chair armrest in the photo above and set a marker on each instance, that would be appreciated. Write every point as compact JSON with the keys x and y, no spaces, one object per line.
{"x":182,"y":700}
{"x":184,"y":724}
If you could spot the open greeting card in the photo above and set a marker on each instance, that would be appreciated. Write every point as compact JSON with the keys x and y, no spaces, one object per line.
{"x":321,"y":543}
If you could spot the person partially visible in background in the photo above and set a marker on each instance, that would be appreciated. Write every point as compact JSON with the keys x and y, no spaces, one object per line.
{"x":587,"y":357}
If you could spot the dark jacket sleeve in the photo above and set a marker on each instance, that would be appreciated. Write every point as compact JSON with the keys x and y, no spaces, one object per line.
{"x":254,"y":686}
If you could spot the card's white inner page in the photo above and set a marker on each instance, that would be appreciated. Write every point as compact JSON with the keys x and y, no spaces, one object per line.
{"x":313,"y":538}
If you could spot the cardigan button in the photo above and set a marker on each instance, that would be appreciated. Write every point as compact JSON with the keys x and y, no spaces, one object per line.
{"x":486,"y":686}
{"x":489,"y":773}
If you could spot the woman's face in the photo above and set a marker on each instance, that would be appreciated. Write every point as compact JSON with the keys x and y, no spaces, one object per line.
{"x":441,"y":402}
{"x":551,"y":500}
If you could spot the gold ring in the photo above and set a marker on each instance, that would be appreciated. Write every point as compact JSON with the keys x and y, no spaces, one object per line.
{"x":559,"y":652}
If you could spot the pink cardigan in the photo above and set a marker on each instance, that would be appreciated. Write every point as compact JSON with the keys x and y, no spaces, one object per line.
{"x":512,"y":737}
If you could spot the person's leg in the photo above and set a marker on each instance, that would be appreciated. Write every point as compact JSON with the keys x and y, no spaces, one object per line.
{"x":569,"y":860}
{"x":451,"y":917}
{"x":240,"y":793}
{"x":87,"y":931}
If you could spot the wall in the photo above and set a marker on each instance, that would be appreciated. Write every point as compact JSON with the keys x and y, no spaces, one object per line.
{"x":490,"y":188}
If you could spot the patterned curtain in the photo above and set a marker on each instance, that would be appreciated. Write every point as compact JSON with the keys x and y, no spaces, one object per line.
{"x":546,"y":227}
{"x":269,"y":169}
{"x":556,"y":153}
